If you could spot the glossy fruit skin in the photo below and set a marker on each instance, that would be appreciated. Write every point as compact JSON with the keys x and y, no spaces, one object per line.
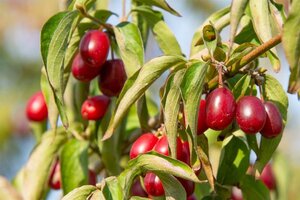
{"x":153,"y":185}
{"x":81,"y":71}
{"x":94,"y":48}
{"x":143,"y":144}
{"x":185,"y":157}
{"x":137,"y":189}
{"x":202,"y":125}
{"x":94,"y":108}
{"x":268,"y":178}
{"x":112,"y":77}
{"x":162,"y":147}
{"x":92,"y":177}
{"x":189,"y":186}
{"x":220,"y":108}
{"x":250,"y":114}
{"x":192,"y":197}
{"x":55,"y":177}
{"x":274,"y":124}
{"x":36,"y":109}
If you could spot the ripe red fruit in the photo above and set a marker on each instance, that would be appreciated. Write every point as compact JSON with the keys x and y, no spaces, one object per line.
{"x":112,"y":77}
{"x":273,"y":125}
{"x":92,"y":177}
{"x":189,"y":186}
{"x":250,"y":114}
{"x":267,"y":176}
{"x":185,"y":153}
{"x":94,"y":108}
{"x":143,"y":144}
{"x":202,"y":126}
{"x":137,"y":189}
{"x":162,"y":147}
{"x":36,"y":109}
{"x":192,"y":197}
{"x":81,"y":71}
{"x":153,"y":185}
{"x":220,"y":109}
{"x":94,"y":48}
{"x":55,"y":177}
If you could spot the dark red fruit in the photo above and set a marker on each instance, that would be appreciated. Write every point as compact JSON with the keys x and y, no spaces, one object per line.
{"x":143,"y":144}
{"x":267,"y":176}
{"x":94,"y":108}
{"x":162,"y":147}
{"x":36,"y":109}
{"x":55,"y":177}
{"x":185,"y":153}
{"x":137,"y":189}
{"x":250,"y":114}
{"x":189,"y":186}
{"x":92,"y":177}
{"x":112,"y":77}
{"x":153,"y":185}
{"x":273,"y":125}
{"x":192,"y":197}
{"x":220,"y":109}
{"x":236,"y":194}
{"x":202,"y":126}
{"x":94,"y":48}
{"x":81,"y":71}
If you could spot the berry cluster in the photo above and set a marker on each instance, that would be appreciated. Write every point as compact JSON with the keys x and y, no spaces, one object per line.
{"x":252,"y":115}
{"x":152,"y":184}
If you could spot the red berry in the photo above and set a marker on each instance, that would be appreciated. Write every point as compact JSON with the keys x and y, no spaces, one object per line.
{"x":192,"y":197}
{"x":273,"y":125}
{"x":267,"y":176}
{"x":202,"y":126}
{"x":94,"y":48}
{"x":112,"y":77}
{"x":220,"y":109}
{"x":236,"y":194}
{"x":143,"y":144}
{"x":81,"y":71}
{"x":189,"y":186}
{"x":137,"y":189}
{"x":92,"y":177}
{"x":250,"y":114}
{"x":153,"y":185}
{"x":36,"y":109}
{"x":55,"y":177}
{"x":94,"y":108}
{"x":185,"y":153}
{"x":162,"y":147}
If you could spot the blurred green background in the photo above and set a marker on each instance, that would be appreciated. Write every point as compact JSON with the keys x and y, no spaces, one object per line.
{"x":20,"y":64}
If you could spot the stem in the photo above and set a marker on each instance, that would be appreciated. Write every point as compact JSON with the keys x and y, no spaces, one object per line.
{"x":124,"y":17}
{"x":249,"y":58}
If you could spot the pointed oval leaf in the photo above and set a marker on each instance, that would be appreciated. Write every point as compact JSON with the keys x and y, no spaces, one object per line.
{"x":161,"y":4}
{"x":80,"y":193}
{"x":111,"y":189}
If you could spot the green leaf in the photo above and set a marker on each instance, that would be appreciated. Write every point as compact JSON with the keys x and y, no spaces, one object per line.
{"x":162,"y":33}
{"x":236,"y":12}
{"x":172,"y":187}
{"x":161,"y":4}
{"x":241,"y":87}
{"x":234,"y":161}
{"x":171,"y":110}
{"x":143,"y":113}
{"x":38,"y":167}
{"x":247,"y":34}
{"x":291,"y":45}
{"x":155,"y":163}
{"x":55,"y":36}
{"x":254,"y":189}
{"x":262,"y":25}
{"x":111,"y":189}
{"x":131,"y":46}
{"x":210,"y":38}
{"x":80,"y":193}
{"x":136,"y":86}
{"x":74,"y":165}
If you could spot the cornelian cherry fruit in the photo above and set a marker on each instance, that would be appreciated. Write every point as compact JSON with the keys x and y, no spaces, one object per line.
{"x":143,"y":144}
{"x":94,"y":108}
{"x":36,"y":109}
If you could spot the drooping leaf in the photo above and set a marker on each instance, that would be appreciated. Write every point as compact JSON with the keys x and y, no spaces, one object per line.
{"x":254,"y":189}
{"x":162,"y":33}
{"x":262,"y":25}
{"x":234,"y":161}
{"x":171,"y":110}
{"x":37,"y":169}
{"x":131,"y":46}
{"x":291,"y":45}
{"x":80,"y":193}
{"x":134,"y":88}
{"x":74,"y":165}
{"x":161,"y":4}
{"x":111,"y":189}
